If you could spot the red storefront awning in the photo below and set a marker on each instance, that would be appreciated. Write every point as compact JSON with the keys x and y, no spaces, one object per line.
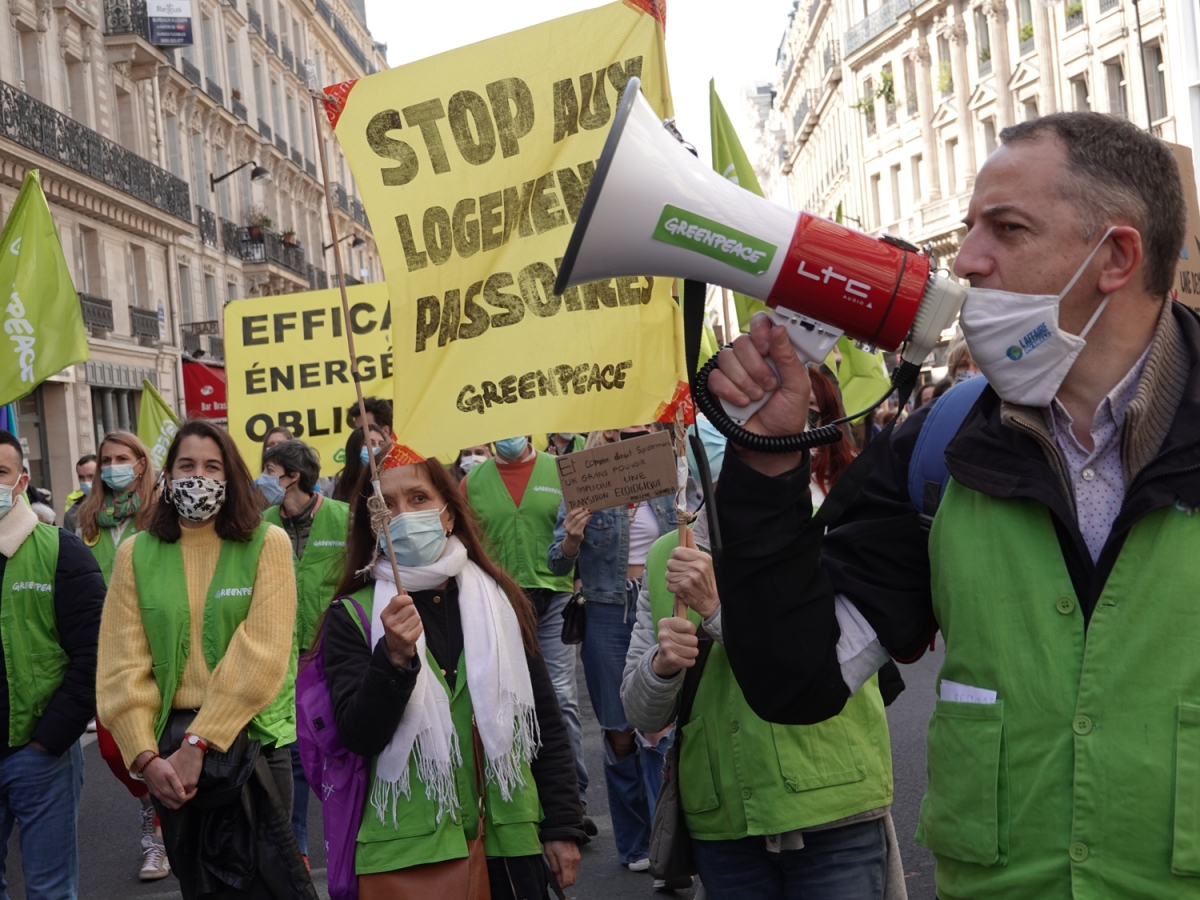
{"x":204,"y":391}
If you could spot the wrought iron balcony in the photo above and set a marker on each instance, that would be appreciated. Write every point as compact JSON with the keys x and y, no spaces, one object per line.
{"x":216,"y":347}
{"x":239,"y":109}
{"x":359,"y":212}
{"x":143,"y":322}
{"x":272,"y":249}
{"x":339,"y":197}
{"x":231,"y":238}
{"x":1027,"y":46}
{"x":324,"y":11}
{"x":272,"y":39}
{"x":264,"y":129}
{"x":875,"y":24}
{"x":191,"y":343}
{"x":351,"y":45}
{"x":297,"y":158}
{"x":191,"y":71}
{"x":35,"y":125}
{"x":214,"y":90}
{"x":322,"y":280}
{"x":281,"y":144}
{"x":1073,"y":16}
{"x":126,"y":17}
{"x":255,"y":19}
{"x":208,"y":225}
{"x":289,"y":59}
{"x":97,"y":313}
{"x":310,"y":168}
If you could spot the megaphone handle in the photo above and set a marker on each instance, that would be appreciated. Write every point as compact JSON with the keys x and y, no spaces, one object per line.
{"x":813,"y":341}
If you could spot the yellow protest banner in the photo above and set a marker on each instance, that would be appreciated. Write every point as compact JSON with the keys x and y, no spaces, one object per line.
{"x":288,"y":365}
{"x":473,"y":165}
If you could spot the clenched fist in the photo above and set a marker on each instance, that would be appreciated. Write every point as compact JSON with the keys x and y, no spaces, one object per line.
{"x":678,"y":647}
{"x":401,"y":628}
{"x":690,"y":577}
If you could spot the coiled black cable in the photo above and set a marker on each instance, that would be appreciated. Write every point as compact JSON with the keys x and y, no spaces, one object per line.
{"x":904,"y":378}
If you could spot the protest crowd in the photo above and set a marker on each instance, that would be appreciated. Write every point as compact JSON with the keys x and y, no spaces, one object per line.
{"x":257,"y":615}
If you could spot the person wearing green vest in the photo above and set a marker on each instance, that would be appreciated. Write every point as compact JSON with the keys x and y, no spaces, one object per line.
{"x":85,"y":472}
{"x":456,"y":646}
{"x":564,"y":442}
{"x":515,"y":497}
{"x":1060,"y":566}
{"x":51,"y":596}
{"x":118,"y":509}
{"x":197,"y":646}
{"x":317,"y":527}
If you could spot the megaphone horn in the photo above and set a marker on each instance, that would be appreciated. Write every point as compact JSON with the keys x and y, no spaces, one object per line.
{"x":654,"y":209}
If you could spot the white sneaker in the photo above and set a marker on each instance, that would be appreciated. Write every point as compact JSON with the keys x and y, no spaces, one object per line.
{"x":154,"y":863}
{"x":641,"y":865}
{"x":91,"y":727}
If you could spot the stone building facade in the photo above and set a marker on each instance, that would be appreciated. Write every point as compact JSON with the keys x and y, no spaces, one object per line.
{"x":128,"y":138}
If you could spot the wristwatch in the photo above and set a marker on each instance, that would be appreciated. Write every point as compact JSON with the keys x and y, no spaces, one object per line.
{"x":196,"y":741}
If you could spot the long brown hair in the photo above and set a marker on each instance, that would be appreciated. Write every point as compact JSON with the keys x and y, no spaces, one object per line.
{"x":361,"y":542}
{"x":90,"y":508}
{"x":238,"y":515}
{"x":831,"y":460}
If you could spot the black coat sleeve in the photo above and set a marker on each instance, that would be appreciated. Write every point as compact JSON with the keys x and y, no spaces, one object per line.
{"x":554,"y":766}
{"x":369,"y":693}
{"x":79,"y":592}
{"x":778,"y":578}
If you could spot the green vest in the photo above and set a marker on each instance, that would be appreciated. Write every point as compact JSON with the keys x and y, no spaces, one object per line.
{"x":320,"y":569}
{"x":105,"y":550}
{"x":519,"y":536}
{"x":418,"y":837}
{"x":33,"y":658}
{"x":1083,"y":779}
{"x":741,"y":776}
{"x":167,"y":618}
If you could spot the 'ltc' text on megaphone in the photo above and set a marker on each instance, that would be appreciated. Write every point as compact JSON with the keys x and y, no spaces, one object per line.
{"x":654,"y":209}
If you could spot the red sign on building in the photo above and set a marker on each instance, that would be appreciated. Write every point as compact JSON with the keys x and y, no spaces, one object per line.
{"x":204,"y":391}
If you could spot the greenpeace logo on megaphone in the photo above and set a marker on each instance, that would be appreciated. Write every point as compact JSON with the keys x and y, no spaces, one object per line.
{"x":720,"y":242}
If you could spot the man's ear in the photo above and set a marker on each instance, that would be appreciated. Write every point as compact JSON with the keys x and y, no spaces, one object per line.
{"x":1124,"y":259}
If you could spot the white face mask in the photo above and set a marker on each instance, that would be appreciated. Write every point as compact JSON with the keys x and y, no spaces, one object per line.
{"x":1016,"y":341}
{"x":470,"y":461}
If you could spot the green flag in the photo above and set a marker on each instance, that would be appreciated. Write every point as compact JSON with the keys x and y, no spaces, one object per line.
{"x":730,"y":160}
{"x":157,"y":424}
{"x":862,"y":376}
{"x":43,"y":322}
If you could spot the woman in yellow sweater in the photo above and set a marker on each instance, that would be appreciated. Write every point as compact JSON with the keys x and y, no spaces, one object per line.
{"x":196,"y":639}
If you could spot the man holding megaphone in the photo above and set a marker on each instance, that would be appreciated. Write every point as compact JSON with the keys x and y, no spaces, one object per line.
{"x":1061,"y":565}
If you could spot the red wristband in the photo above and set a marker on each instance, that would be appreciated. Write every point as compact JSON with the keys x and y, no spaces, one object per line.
{"x":196,"y":741}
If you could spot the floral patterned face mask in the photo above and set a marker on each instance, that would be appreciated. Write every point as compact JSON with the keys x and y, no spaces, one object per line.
{"x":197,"y":498}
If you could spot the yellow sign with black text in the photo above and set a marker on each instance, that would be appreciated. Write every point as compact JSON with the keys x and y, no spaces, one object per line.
{"x":287,"y":364}
{"x":473,"y":166}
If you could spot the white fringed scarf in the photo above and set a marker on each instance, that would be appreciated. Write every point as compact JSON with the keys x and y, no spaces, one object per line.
{"x":498,"y":675}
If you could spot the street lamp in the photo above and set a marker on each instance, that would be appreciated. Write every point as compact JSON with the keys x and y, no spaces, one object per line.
{"x":357,"y":242}
{"x":258,"y":175}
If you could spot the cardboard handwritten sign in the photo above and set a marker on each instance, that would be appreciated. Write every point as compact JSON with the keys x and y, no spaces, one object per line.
{"x":1187,"y":271}
{"x":618,"y":474}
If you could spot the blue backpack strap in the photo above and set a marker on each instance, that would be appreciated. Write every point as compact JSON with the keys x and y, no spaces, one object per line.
{"x":927,"y":472}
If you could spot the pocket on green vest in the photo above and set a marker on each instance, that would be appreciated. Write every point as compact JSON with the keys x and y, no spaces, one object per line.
{"x":48,"y":671}
{"x":523,"y":807}
{"x":697,"y":790}
{"x":816,"y":756}
{"x":962,"y":815}
{"x":1185,"y":855}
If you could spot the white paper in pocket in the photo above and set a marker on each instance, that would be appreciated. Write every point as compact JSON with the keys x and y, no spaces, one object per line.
{"x":964,"y":693}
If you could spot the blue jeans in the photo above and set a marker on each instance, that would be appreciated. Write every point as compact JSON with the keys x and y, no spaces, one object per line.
{"x":560,"y":662}
{"x":846,"y":863}
{"x":299,"y":801}
{"x":632,"y":783}
{"x":40,"y":793}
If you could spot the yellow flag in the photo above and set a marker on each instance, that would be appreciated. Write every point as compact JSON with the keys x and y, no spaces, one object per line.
{"x":473,"y":166}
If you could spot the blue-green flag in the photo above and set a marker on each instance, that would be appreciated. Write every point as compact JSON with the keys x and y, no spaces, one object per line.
{"x":43,"y":323}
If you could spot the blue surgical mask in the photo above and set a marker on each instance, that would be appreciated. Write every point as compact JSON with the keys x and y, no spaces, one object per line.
{"x":269,"y":485}
{"x":417,"y":537}
{"x":85,"y":487}
{"x":512,"y":448}
{"x":6,"y":499}
{"x":362,"y":454}
{"x":118,"y":477}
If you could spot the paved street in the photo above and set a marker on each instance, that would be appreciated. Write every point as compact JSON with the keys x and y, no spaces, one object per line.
{"x":109,"y":827}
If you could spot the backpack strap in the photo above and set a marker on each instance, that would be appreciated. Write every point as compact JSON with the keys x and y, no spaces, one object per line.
{"x":363,"y":621}
{"x":927,"y":472}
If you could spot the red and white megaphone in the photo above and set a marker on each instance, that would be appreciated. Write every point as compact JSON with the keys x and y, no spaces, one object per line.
{"x":654,"y":209}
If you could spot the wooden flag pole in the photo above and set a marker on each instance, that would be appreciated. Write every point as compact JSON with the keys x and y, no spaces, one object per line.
{"x":380,"y":514}
{"x":682,"y":516}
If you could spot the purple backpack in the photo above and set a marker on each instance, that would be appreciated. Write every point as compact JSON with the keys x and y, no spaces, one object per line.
{"x":338,"y":776}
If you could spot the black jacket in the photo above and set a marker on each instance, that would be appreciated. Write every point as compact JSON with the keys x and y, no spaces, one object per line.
{"x":778,"y":571}
{"x":369,"y":696}
{"x":79,"y":592}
